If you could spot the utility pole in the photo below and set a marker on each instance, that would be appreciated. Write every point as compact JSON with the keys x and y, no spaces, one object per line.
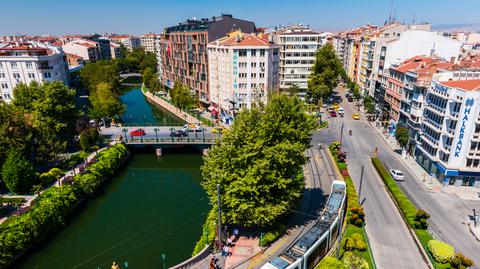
{"x":219,"y":217}
{"x":360,"y":188}
{"x":341,"y":136}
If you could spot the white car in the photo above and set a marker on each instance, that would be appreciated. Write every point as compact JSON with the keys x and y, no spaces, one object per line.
{"x":341,"y":111}
{"x":192,"y":127}
{"x":397,"y":174}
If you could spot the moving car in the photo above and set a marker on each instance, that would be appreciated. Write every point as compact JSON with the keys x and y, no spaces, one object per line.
{"x":178,"y":133}
{"x":336,"y":105}
{"x":333,"y":113}
{"x":138,"y":132}
{"x":397,"y":174}
{"x":356,"y":116}
{"x":192,"y":127}
{"x":341,"y":112}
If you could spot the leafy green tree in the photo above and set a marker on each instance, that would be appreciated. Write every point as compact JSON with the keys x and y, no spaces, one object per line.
{"x":259,"y":161}
{"x":353,"y":261}
{"x":100,"y":72}
{"x":182,"y":97}
{"x":401,"y":134}
{"x":293,"y":90}
{"x":325,"y":73}
{"x":16,"y":132}
{"x":18,"y":173}
{"x":105,"y":102}
{"x":89,"y":138}
{"x":24,"y":95}
{"x":369,"y":104}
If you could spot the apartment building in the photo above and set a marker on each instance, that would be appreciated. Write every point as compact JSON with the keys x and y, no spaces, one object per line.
{"x":298,"y":46}
{"x":115,"y":51}
{"x":185,"y":57}
{"x":449,"y":141}
{"x":87,"y":49}
{"x":150,"y":42}
{"x":130,"y":42}
{"x":243,"y":69}
{"x":27,"y":62}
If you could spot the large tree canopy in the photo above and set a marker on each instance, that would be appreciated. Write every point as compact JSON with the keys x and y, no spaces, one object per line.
{"x":18,"y":173}
{"x":182,"y":97}
{"x":325,"y":73}
{"x":105,"y":102}
{"x":258,"y":162}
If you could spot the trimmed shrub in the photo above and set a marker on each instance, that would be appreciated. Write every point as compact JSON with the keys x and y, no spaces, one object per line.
{"x":355,"y":242}
{"x":441,"y":251}
{"x":421,"y":219}
{"x":461,"y":262}
{"x":50,"y":176}
{"x":357,"y":216}
{"x":350,"y":260}
{"x":330,"y":263}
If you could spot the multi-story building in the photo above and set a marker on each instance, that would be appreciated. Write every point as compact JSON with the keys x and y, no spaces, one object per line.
{"x":130,"y":42}
{"x":27,"y":62}
{"x":115,"y":51}
{"x":449,"y":142}
{"x":150,"y":42}
{"x":185,"y":57}
{"x":298,"y":45}
{"x":407,"y":46}
{"x":243,"y":69}
{"x":88,"y":50}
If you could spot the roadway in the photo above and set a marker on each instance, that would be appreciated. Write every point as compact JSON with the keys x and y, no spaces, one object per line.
{"x":448,"y":212}
{"x":391,"y":242}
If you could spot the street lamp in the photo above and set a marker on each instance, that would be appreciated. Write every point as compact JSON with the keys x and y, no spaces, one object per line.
{"x":163,"y":258}
{"x":125,"y":132}
{"x":156,"y":134}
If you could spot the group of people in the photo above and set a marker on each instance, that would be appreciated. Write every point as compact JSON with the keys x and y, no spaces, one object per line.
{"x":230,"y":243}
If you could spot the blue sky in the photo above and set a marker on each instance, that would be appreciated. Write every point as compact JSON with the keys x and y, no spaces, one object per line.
{"x":141,"y":16}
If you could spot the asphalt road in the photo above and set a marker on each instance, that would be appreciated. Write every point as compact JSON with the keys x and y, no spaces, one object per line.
{"x":392,"y":244}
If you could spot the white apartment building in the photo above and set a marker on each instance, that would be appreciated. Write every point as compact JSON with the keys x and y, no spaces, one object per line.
{"x":130,"y":42}
{"x":115,"y":51}
{"x":149,"y":42}
{"x":24,"y":63}
{"x":243,"y":69}
{"x":298,"y":46}
{"x":449,"y":142}
{"x":88,"y":50}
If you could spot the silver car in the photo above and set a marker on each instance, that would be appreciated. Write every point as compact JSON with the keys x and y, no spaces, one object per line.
{"x":397,"y":174}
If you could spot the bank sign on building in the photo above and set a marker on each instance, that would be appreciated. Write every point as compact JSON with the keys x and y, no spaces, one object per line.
{"x":464,"y":131}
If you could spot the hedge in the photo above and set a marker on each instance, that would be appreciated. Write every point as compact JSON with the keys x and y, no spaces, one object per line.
{"x":408,"y":209}
{"x":49,"y":212}
{"x":209,"y":229}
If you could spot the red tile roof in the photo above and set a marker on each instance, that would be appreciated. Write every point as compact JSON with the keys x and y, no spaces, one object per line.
{"x":413,"y":63}
{"x":245,"y":40}
{"x":467,"y":85}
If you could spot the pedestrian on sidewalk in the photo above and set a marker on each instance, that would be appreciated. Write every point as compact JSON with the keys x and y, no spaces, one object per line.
{"x":235,"y":233}
{"x":229,"y":242}
{"x":226,"y":250}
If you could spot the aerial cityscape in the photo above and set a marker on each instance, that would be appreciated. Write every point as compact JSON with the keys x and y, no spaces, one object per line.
{"x":240,"y":135}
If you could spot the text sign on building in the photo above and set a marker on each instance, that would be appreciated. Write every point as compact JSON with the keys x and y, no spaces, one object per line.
{"x":235,"y":68}
{"x":466,"y":113}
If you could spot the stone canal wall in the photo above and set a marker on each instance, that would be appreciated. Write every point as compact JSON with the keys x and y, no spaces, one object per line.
{"x":171,"y":108}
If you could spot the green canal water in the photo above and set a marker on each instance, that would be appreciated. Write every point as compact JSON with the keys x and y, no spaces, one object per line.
{"x":141,"y":112}
{"x":153,"y":206}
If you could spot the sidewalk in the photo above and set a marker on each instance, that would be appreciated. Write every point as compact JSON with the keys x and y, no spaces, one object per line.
{"x":430,"y":183}
{"x":242,"y":250}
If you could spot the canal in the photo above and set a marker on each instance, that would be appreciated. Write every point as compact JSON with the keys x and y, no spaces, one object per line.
{"x":153,"y":206}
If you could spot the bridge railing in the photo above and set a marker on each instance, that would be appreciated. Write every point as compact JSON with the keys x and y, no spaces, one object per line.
{"x":171,"y":140}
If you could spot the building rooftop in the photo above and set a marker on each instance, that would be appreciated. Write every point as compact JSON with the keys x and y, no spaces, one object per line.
{"x":238,"y":38}
{"x":467,"y":85}
{"x":16,"y":49}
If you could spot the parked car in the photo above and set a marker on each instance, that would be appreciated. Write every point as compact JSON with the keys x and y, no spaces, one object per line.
{"x":349,"y":98}
{"x":178,"y":133}
{"x":397,"y":174}
{"x":333,"y":113}
{"x":138,"y":132}
{"x":336,"y":105}
{"x":356,"y":116}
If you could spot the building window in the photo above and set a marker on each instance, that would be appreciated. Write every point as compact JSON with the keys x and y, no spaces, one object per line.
{"x":253,"y":75}
{"x":29,"y":65}
{"x":242,"y":53}
{"x":2,"y":75}
{"x":262,"y":75}
{"x":254,"y":52}
{"x":31,"y":75}
{"x":4,"y":86}
{"x":253,"y":85}
{"x":275,"y":52}
{"x":242,"y":75}
{"x":254,"y":64}
{"x":13,"y":65}
{"x":16,"y":75}
{"x":262,"y":52}
{"x":242,"y":64}
{"x":47,"y":75}
{"x":262,"y":65}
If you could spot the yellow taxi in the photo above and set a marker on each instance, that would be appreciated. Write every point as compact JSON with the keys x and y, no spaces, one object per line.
{"x":336,"y":106}
{"x":356,"y":116}
{"x":219,"y":129}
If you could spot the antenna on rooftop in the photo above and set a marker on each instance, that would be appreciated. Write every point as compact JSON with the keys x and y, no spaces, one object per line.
{"x":414,"y":15}
{"x":390,"y":14}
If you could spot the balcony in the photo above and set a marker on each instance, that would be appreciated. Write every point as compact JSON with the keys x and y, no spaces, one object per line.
{"x":432,"y":124}
{"x":436,"y":109}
